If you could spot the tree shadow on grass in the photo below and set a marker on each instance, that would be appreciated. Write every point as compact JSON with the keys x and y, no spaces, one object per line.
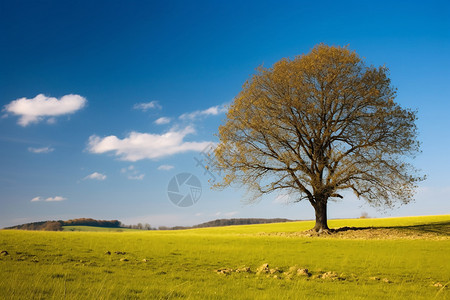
{"x":437,"y":228}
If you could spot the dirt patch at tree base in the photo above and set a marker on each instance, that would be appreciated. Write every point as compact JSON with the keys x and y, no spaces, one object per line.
{"x":408,"y":232}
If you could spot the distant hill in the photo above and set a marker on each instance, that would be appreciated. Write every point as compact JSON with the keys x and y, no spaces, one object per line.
{"x":241,"y":221}
{"x":58,"y":225}
{"x":96,"y":228}
{"x":229,"y":222}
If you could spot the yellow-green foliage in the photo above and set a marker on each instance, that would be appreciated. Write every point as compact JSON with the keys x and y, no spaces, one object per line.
{"x":316,"y":125}
{"x":183,"y":264}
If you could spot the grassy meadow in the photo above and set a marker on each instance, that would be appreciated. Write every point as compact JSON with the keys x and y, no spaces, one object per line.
{"x":409,"y":259}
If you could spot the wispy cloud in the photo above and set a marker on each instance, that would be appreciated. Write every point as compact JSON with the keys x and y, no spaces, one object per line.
{"x":162,"y":121}
{"x":35,"y":199}
{"x":124,"y":170}
{"x":212,"y":111}
{"x":55,"y":199}
{"x":49,"y":199}
{"x":137,"y":146}
{"x":136,"y":177}
{"x":95,"y":176}
{"x":51,"y":120}
{"x":132,"y":173}
{"x":42,"y":107}
{"x":147,"y":105}
{"x":41,"y":150}
{"x":165,"y":167}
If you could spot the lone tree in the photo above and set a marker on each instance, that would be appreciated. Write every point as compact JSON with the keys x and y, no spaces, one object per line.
{"x":316,"y":125}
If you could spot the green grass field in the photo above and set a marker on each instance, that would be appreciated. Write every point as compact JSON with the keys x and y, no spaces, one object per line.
{"x":409,"y":260}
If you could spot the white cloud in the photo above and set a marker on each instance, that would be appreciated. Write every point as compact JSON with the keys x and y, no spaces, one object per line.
{"x":95,"y":176}
{"x":55,"y":199}
{"x":146,"y":106}
{"x":51,"y":121}
{"x":165,"y":167}
{"x":136,"y":177}
{"x":132,"y":173}
{"x":162,"y":121}
{"x":137,"y":146}
{"x":212,"y":111}
{"x":41,"y":150}
{"x":40,"y":107}
{"x":49,"y":199}
{"x":124,"y":170}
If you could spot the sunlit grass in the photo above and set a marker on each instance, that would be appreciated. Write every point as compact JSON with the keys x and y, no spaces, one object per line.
{"x":182,"y":264}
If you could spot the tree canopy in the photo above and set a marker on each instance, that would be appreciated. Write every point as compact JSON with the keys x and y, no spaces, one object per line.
{"x":318,"y":124}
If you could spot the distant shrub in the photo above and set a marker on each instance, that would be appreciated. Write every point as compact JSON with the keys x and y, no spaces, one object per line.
{"x":364,"y":215}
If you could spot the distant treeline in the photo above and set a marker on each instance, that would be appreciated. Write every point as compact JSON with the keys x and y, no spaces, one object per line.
{"x":228,"y":222}
{"x":92,"y":222}
{"x":57,"y":225}
{"x":242,"y":221}
{"x":140,"y":226}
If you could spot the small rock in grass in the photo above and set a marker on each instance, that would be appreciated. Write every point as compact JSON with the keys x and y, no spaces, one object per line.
{"x":386,"y":280}
{"x":438,"y":284}
{"x":273,"y":271}
{"x":292,"y":270}
{"x":303,"y":272}
{"x":243,"y":270}
{"x":264,"y":269}
{"x":145,"y":260}
{"x":123,"y":259}
{"x":108,"y":252}
{"x":374,"y":278}
{"x":329,"y":275}
{"x":224,"y":271}
{"x":4,"y":253}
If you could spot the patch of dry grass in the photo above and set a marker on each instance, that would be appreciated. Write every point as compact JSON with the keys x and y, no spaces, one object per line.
{"x":435,"y":231}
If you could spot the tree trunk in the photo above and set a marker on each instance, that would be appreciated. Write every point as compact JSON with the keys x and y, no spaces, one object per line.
{"x":321,"y":216}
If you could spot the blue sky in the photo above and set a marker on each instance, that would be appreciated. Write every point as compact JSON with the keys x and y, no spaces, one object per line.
{"x":111,"y":69}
